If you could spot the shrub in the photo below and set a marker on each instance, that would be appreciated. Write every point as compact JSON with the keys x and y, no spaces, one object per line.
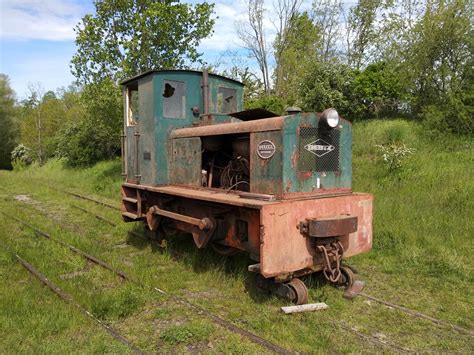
{"x":454,"y":116}
{"x":394,"y":153}
{"x":87,"y":142}
{"x":20,"y":157}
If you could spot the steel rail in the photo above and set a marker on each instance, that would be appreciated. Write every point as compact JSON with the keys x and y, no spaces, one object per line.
{"x":222,"y":322}
{"x":70,"y":300}
{"x":418,"y":314}
{"x":105,"y":204}
{"x":103,"y":219}
{"x":390,"y":345}
{"x":404,"y":309}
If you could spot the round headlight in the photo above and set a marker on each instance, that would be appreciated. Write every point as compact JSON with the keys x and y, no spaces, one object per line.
{"x":331,"y":117}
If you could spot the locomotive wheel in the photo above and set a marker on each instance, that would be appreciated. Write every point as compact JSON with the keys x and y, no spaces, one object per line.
{"x":223,"y":250}
{"x":300,"y":290}
{"x":347,"y":277}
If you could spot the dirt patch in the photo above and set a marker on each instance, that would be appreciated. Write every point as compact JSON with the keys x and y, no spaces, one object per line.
{"x":23,"y":198}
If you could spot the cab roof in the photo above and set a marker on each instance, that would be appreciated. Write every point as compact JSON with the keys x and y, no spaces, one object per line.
{"x":149,"y":72}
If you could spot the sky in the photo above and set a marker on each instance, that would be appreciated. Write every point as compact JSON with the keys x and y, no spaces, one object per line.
{"x":37,"y":39}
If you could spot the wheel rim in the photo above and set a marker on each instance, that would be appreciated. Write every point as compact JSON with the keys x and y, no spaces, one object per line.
{"x":347,"y":277}
{"x":223,"y":249}
{"x":301,"y":292}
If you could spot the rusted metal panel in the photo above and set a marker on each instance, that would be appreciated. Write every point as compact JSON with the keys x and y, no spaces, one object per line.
{"x":297,"y":177}
{"x":329,"y":226}
{"x":186,"y":161}
{"x":285,"y":250}
{"x":266,"y":172}
{"x":203,"y":195}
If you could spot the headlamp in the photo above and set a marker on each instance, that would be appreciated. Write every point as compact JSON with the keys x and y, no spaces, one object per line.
{"x":330,"y":117}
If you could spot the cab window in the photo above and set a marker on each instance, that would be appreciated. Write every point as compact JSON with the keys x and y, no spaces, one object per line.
{"x":174,"y":99}
{"x":131,"y":104}
{"x":226,"y":100}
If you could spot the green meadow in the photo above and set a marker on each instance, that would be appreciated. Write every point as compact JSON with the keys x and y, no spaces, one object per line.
{"x":421,"y":258}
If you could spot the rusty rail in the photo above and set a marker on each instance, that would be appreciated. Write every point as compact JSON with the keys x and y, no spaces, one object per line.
{"x":103,"y":219}
{"x":222,"y":322}
{"x":68,"y":299}
{"x":105,"y":204}
{"x":418,"y":314}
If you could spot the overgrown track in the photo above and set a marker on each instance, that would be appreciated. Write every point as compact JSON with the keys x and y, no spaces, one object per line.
{"x":69,"y":299}
{"x":411,"y":312}
{"x":218,"y":320}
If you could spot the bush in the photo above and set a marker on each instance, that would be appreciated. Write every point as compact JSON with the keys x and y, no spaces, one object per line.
{"x":271,"y":103}
{"x":20,"y":157}
{"x":376,"y":91}
{"x":327,"y":85}
{"x":394,"y":153}
{"x":87,"y":142}
{"x":456,"y":115}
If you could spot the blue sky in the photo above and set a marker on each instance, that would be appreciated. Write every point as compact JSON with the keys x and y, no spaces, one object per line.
{"x":37,"y":39}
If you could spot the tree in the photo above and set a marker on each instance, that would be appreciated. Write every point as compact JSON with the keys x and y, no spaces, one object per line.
{"x":361,"y":31}
{"x":127,"y":37}
{"x":299,"y":52}
{"x":327,"y":15}
{"x":8,"y":131}
{"x":286,"y":10}
{"x":252,"y":35}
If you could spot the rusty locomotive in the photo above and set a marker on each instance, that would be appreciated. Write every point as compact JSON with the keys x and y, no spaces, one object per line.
{"x":275,"y":187}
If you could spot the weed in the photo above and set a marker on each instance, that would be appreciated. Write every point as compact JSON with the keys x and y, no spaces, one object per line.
{"x":187,"y":333}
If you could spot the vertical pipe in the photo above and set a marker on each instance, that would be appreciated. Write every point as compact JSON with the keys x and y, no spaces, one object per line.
{"x":205,"y":90}
{"x":122,"y":153}
{"x":137,"y":155}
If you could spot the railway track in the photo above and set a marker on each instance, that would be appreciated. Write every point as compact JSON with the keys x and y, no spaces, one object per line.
{"x":411,"y":312}
{"x":70,"y":300}
{"x":216,"y":319}
{"x":337,"y":324}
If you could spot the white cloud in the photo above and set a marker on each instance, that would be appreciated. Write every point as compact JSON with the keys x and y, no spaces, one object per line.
{"x":39,"y":19}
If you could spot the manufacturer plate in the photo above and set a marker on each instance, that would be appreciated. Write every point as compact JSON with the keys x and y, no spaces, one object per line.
{"x":265,"y":149}
{"x":319,"y":147}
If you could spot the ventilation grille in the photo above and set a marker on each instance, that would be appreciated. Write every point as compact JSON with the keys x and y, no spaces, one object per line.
{"x":319,"y":149}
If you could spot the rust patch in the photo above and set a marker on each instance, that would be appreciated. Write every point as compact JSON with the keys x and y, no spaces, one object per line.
{"x":294,"y":159}
{"x":305,"y":175}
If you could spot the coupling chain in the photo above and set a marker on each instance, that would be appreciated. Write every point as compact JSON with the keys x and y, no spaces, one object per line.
{"x":336,"y":251}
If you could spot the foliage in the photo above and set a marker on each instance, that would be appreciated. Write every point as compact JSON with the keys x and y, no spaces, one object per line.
{"x":327,"y":85}
{"x":295,"y":53}
{"x":8,"y":124}
{"x":86,"y":142}
{"x":456,"y":115}
{"x":20,"y":157}
{"x":440,"y":60}
{"x":376,"y":91}
{"x":393,"y":154}
{"x":42,"y":117}
{"x":124,"y":38}
{"x":253,"y":36}
{"x":271,"y":103}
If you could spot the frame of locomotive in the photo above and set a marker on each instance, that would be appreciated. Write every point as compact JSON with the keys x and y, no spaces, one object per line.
{"x":275,"y":187}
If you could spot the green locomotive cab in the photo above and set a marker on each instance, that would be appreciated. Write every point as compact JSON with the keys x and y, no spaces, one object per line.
{"x":276,"y":187}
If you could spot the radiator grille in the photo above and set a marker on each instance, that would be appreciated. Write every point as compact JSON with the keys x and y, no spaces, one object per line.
{"x":319,"y":149}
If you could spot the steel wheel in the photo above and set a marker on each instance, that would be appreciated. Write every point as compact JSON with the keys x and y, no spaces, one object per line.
{"x":347,"y":277}
{"x":223,"y":250}
{"x":301,"y":292}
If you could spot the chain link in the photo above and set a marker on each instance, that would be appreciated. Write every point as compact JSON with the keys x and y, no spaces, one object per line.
{"x":333,"y":250}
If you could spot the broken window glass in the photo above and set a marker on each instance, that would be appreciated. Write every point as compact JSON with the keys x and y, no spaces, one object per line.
{"x":174,"y":99}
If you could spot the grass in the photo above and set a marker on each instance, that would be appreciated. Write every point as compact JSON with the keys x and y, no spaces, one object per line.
{"x":423,"y":244}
